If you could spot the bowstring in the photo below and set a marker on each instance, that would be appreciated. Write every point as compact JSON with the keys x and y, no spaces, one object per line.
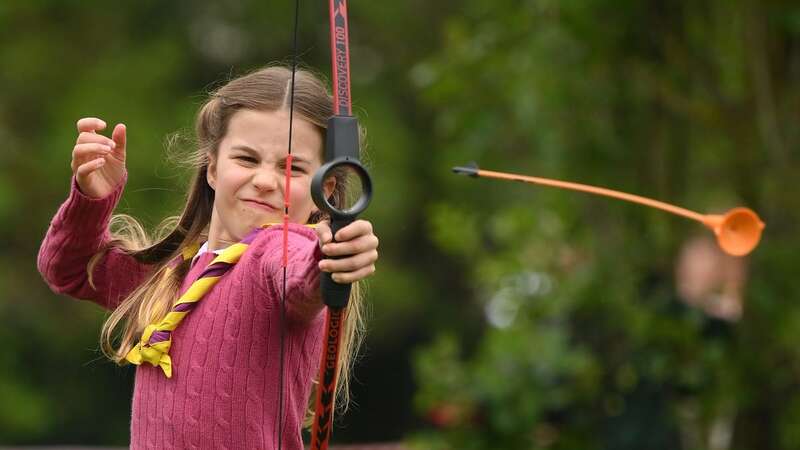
{"x":281,"y":381}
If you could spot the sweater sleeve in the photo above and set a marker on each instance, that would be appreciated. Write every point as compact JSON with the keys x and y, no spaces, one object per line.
{"x":303,"y":301}
{"x":78,"y":230}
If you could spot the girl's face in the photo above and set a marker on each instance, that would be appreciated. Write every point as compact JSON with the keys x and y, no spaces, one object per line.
{"x":248,"y":173}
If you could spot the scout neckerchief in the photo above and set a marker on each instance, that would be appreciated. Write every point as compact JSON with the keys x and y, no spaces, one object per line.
{"x":156,"y":340}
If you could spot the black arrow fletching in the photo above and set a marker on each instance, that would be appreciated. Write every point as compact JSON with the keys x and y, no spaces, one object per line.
{"x":471,"y":169}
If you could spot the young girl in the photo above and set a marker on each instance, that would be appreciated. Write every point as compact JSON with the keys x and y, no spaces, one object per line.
{"x":213,"y":380}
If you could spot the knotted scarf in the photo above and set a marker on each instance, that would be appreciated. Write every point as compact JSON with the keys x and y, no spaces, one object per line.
{"x":154,"y":345}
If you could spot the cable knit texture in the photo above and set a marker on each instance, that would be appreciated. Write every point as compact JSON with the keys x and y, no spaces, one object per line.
{"x":226,"y":354}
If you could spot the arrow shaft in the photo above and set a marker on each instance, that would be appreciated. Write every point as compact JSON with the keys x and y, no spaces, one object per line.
{"x":593,"y":190}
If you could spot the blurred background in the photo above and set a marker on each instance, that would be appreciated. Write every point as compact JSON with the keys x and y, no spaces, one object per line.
{"x":504,"y":316}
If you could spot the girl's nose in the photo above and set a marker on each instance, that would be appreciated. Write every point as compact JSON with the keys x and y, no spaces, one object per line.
{"x":266,"y":179}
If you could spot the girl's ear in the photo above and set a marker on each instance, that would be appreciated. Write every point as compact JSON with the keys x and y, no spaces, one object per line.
{"x":211,"y":171}
{"x":328,"y":186}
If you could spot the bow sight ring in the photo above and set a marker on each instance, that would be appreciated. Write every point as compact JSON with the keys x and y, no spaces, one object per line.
{"x":318,"y":192}
{"x":341,"y":151}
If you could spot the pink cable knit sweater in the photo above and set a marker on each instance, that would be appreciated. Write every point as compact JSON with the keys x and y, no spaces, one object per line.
{"x":223,"y":393}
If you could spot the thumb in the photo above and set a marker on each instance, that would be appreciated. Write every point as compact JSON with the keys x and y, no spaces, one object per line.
{"x":119,"y":137}
{"x":323,"y":230}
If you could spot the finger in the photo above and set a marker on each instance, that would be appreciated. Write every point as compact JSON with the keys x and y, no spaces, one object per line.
{"x":81,"y":150}
{"x":359,"y":245}
{"x":90,"y":124}
{"x":357,"y":228}
{"x":84,"y":152}
{"x":353,"y":263}
{"x":352,"y":277}
{"x":323,"y":230}
{"x":119,"y":136}
{"x":85,"y":169}
{"x":86,"y":137}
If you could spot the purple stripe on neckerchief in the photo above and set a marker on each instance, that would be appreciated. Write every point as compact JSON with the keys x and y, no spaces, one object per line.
{"x":219,"y":268}
{"x":215,"y":270}
{"x":184,"y":307}
{"x":158,"y":336}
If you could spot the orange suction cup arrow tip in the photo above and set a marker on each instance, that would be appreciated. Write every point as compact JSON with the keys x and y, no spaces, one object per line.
{"x":738,"y":231}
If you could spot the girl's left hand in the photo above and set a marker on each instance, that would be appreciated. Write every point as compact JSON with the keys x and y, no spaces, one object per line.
{"x":357,"y":247}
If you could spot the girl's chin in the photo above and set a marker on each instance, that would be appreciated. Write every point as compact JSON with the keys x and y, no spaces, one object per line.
{"x":257,"y":220}
{"x":262,"y":220}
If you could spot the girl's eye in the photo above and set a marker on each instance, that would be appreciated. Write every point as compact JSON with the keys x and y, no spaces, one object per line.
{"x":248,"y":159}
{"x":295,"y":168}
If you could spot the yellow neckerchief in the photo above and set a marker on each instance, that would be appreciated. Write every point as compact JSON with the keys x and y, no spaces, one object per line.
{"x":156,"y":340}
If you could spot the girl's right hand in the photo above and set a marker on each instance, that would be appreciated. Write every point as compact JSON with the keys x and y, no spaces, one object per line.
{"x":98,"y":162}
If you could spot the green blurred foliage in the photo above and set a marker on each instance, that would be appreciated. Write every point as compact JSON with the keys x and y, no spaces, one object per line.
{"x":585,"y":342}
{"x":538,"y":318}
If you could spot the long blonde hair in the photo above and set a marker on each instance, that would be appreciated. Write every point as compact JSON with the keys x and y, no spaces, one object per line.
{"x":266,"y":89}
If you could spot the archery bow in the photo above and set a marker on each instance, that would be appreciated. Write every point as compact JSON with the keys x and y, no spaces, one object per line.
{"x":341,"y":152}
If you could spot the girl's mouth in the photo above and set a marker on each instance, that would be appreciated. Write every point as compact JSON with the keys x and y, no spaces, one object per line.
{"x":260,"y":205}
